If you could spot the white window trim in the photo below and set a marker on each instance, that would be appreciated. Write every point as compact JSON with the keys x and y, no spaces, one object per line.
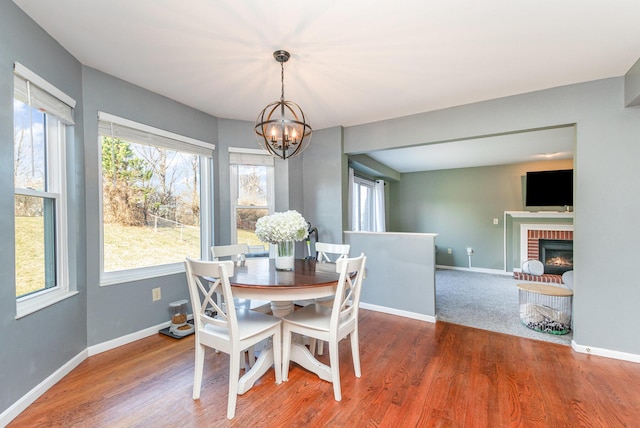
{"x":206,"y":173}
{"x":365,"y":182}
{"x":56,"y":155}
{"x":250,"y":151}
{"x":32,"y":303}
{"x":106,"y":117}
{"x":29,"y":75}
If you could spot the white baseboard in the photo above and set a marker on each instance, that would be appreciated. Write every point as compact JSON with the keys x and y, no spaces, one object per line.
{"x":399,"y":312}
{"x":476,"y":269}
{"x":123,"y":340}
{"x":19,"y":406}
{"x":601,"y":352}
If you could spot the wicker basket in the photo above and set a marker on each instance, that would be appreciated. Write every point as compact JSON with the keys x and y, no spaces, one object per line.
{"x":546,"y":308}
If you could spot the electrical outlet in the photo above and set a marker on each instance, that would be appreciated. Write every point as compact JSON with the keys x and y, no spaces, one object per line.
{"x":495,"y":221}
{"x":469,"y":251}
{"x":449,"y":251}
{"x":156,"y":294}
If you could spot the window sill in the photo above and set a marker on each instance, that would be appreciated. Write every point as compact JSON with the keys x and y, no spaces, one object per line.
{"x":29,"y":305}
{"x":123,"y":276}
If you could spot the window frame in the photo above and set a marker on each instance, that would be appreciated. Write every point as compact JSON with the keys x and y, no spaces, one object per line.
{"x":57,"y":106}
{"x":359,"y":182}
{"x":173,"y":141}
{"x":233,"y":172}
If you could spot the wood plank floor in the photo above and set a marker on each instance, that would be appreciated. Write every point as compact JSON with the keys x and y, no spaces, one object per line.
{"x":414,"y":374}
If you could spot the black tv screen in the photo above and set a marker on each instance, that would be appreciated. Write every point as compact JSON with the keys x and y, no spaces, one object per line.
{"x":549,"y":188}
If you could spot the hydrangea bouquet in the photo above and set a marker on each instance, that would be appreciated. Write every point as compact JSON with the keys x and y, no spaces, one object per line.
{"x":282,"y":227}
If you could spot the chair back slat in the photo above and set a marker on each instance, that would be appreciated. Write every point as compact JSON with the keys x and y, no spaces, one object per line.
{"x":324,"y":250}
{"x":232,"y":251}
{"x":205,"y":279}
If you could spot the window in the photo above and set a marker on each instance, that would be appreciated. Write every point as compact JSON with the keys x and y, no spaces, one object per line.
{"x":363,"y":207}
{"x":251,"y":195}
{"x":155,"y":199}
{"x":41,"y":115}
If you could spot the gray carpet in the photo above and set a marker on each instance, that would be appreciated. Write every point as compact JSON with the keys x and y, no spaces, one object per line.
{"x":485,"y":301}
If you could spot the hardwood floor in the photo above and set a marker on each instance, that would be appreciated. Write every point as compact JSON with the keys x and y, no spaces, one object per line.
{"x":413,"y":374}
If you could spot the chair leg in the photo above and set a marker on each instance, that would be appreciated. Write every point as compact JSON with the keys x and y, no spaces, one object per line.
{"x":234,"y":373}
{"x":355,"y":352}
{"x":199,"y":367}
{"x":320,"y":347}
{"x":277,"y":354}
{"x":334,"y":361}
{"x":286,"y":352}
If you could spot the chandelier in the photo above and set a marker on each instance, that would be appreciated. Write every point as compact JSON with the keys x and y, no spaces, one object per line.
{"x":282,"y":128}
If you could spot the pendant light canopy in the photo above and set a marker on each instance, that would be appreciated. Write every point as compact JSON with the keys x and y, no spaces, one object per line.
{"x":282,"y":128}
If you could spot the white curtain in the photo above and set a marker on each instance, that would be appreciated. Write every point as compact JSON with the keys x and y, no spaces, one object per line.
{"x":353,"y":208}
{"x":378,"y":206}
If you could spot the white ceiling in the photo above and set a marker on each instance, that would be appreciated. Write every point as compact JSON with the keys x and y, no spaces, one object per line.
{"x":531,"y":146}
{"x":352,"y":62}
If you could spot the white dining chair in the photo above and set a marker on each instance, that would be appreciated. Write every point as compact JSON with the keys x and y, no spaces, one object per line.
{"x":331,"y":324}
{"x":232,"y":330}
{"x":325,"y":253}
{"x":237,"y":252}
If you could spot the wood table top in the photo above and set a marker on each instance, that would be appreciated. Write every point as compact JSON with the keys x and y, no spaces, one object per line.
{"x":261,"y":273}
{"x":548,"y":290}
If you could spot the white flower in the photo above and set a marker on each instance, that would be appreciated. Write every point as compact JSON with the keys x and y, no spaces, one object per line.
{"x":280,"y":227}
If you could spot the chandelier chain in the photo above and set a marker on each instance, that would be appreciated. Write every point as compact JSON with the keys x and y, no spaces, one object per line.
{"x":282,"y":80}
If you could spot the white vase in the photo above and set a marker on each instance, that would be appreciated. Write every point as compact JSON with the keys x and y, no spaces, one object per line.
{"x":285,"y":252}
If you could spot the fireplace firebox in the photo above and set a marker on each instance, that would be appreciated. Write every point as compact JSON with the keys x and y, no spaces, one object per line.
{"x":556,"y":255}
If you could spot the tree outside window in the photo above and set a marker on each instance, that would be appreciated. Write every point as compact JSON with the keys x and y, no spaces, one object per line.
{"x":151,"y":205}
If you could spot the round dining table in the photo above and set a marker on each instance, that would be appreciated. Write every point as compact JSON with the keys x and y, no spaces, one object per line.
{"x":258,"y":279}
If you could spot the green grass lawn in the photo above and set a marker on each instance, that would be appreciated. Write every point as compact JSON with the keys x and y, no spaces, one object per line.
{"x":249,"y":237}
{"x":29,"y":255}
{"x":125,"y":247}
{"x":130,"y":247}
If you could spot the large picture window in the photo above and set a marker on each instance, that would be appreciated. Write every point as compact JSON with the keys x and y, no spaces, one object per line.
{"x":153,"y":187}
{"x":41,"y":115}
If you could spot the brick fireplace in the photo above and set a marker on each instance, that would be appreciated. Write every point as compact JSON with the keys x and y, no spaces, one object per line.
{"x":530,"y":236}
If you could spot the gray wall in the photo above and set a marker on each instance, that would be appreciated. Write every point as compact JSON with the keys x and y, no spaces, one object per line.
{"x":120,"y":309}
{"x":324,"y":173}
{"x":632,"y":85}
{"x":606,"y":181}
{"x":30,"y":347}
{"x":460,"y":205}
{"x":400,"y":270}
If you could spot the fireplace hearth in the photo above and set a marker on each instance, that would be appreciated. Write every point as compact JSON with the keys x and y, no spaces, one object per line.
{"x":556,"y":255}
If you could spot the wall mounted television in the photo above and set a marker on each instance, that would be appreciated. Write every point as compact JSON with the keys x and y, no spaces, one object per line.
{"x":549,"y":188}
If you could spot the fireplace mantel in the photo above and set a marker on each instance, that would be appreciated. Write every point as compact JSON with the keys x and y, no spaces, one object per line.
{"x":539,"y":214}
